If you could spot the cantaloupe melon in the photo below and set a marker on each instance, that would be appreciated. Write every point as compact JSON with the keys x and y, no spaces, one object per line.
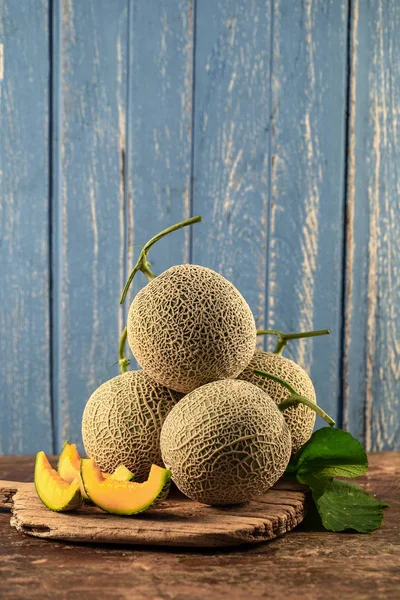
{"x":123,"y":497}
{"x":69,"y":468}
{"x":52,"y":489}
{"x":301,"y":419}
{"x":190,"y":326}
{"x":225,"y":442}
{"x":122,"y":421}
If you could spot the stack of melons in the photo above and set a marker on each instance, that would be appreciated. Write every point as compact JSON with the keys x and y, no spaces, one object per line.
{"x":196,"y":406}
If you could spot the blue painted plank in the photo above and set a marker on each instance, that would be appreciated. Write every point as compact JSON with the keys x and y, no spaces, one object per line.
{"x":159,"y":130}
{"x":307,"y":185}
{"x":56,"y":215}
{"x":269,"y":166}
{"x":25,"y":406}
{"x":232,"y":143}
{"x":94,"y":90}
{"x":372,"y":342}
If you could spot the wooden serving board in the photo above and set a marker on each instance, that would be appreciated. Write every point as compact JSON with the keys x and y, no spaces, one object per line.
{"x":175,"y":522}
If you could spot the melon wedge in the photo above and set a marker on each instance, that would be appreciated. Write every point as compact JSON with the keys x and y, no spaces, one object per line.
{"x":69,"y":468}
{"x":54,"y":492}
{"x":121,"y":473}
{"x":122,"y":497}
{"x":69,"y":462}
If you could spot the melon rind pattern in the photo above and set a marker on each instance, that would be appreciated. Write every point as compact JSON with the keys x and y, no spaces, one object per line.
{"x":225,"y":442}
{"x":122,"y":421}
{"x":190,"y":326}
{"x":301,"y":419}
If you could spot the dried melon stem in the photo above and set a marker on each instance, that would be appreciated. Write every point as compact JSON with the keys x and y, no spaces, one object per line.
{"x":295,"y":399}
{"x":142,"y":264}
{"x":283,"y":338}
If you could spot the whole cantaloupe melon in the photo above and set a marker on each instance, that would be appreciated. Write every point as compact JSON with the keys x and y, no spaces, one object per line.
{"x":122,"y":421}
{"x":190,"y":326}
{"x":225,"y":442}
{"x":301,"y":419}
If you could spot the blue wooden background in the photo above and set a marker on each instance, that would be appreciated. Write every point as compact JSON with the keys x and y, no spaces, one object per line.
{"x":277,"y":121}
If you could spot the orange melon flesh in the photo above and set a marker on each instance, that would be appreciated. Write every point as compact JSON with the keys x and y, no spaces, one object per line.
{"x":69,"y":468}
{"x":122,"y":497}
{"x":69,"y":464}
{"x":121,"y":473}
{"x":52,"y":489}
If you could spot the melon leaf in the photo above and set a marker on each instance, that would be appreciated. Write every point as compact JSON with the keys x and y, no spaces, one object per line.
{"x":341,"y":505}
{"x":330,"y":453}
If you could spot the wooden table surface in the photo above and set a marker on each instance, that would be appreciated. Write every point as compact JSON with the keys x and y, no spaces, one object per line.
{"x":302,"y":565}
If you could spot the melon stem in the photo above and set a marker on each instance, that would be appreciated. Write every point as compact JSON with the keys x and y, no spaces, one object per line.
{"x":148,"y":272}
{"x":122,"y":360}
{"x":295,"y":399}
{"x":283,"y":338}
{"x":142,"y":264}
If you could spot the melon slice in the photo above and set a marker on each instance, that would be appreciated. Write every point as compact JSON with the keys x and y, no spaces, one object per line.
{"x":69,"y":468}
{"x":121,"y":473}
{"x":123,"y":497}
{"x":52,"y":489}
{"x":69,"y":462}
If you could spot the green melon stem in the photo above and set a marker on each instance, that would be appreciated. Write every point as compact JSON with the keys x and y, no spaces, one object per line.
{"x":295,"y":399}
{"x":122,"y":360}
{"x":142,"y":264}
{"x":148,"y":272}
{"x":283,"y":338}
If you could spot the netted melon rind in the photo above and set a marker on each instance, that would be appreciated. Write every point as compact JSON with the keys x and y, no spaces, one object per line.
{"x":225,"y":443}
{"x":122,"y":421}
{"x":300,"y":420}
{"x":190,"y":326}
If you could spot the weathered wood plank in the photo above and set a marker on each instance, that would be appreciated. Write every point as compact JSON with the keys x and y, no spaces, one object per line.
{"x":177,"y":521}
{"x":25,"y":404}
{"x":94,"y":73}
{"x":231,"y":143}
{"x":268,"y":178}
{"x":372,"y":342}
{"x":295,"y":566}
{"x":159,"y":130}
{"x":307,"y":183}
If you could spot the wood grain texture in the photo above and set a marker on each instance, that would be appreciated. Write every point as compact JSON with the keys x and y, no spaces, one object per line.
{"x":25,"y":404}
{"x":120,"y":118}
{"x":372,"y":332}
{"x":307,"y":181}
{"x":94,"y":89}
{"x":159,"y":130}
{"x":363,"y":567}
{"x":231,"y":143}
{"x":177,"y":521}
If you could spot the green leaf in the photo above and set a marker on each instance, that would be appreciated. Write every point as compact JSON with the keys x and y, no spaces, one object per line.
{"x":329,"y":453}
{"x":343,"y":505}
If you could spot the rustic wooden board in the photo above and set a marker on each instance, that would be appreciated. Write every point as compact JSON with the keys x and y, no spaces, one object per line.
{"x":306,"y":564}
{"x":25,"y":403}
{"x":372,"y":317}
{"x":177,"y":522}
